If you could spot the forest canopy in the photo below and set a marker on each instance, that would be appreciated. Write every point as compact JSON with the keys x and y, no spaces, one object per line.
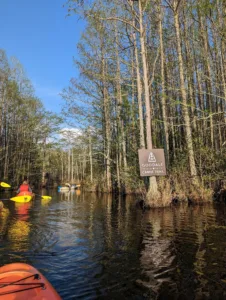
{"x":25,"y":126}
{"x":152,"y":75}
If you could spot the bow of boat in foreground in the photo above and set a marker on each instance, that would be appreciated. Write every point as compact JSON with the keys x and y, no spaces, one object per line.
{"x":22,"y":281}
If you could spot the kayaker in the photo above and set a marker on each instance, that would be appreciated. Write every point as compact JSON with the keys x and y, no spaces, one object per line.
{"x":25,"y":187}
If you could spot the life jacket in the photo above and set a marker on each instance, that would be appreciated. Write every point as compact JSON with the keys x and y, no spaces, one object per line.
{"x":24,"y":188}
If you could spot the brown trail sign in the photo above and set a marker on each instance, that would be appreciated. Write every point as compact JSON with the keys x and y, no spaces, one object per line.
{"x":152,"y":162}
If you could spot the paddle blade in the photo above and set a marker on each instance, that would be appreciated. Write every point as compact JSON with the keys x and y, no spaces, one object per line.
{"x":5,"y":185}
{"x":46,"y":197}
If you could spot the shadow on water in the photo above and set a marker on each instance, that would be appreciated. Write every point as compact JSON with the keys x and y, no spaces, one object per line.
{"x":101,"y":247}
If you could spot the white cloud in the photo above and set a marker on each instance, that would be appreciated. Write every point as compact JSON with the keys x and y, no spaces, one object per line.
{"x":70,"y":133}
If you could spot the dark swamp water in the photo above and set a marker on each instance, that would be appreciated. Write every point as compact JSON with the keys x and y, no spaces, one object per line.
{"x":96,"y":247}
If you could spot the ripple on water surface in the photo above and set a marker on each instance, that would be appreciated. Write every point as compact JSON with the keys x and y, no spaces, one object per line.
{"x":92,"y":247}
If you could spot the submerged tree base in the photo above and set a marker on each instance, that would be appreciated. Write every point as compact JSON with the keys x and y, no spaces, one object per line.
{"x":178,"y":191}
{"x":171,"y":190}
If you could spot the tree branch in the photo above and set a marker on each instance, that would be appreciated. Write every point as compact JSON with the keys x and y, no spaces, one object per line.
{"x":120,"y":20}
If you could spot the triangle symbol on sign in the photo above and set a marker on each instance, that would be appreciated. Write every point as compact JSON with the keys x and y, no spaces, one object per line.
{"x":151,"y":157}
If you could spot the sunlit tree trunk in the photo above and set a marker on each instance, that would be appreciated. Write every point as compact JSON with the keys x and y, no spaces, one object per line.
{"x":190,"y":79}
{"x":201,"y":114}
{"x":163,"y":85}
{"x":208,"y":78}
{"x":120,"y":126}
{"x":185,"y":111}
{"x":107,"y":127}
{"x":90,"y":157}
{"x":62,"y":167}
{"x":139,"y":94}
{"x":153,"y":187}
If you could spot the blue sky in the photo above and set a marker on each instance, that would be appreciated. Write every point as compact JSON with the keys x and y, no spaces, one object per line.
{"x":44,"y":40}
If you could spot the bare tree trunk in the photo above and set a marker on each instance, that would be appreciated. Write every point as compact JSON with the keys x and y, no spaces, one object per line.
{"x":90,"y":157}
{"x":202,"y":123}
{"x":209,"y":92}
{"x":84,"y":165}
{"x":163,"y":95}
{"x":139,"y":94}
{"x":62,"y":167}
{"x":69,"y":166}
{"x":107,"y":127}
{"x":72,"y":166}
{"x":118,"y":171}
{"x":188,"y":132}
{"x":133,"y":143}
{"x":120,"y":125}
{"x":220,"y":91}
{"x":77,"y":171}
{"x":189,"y":67}
{"x":153,"y":187}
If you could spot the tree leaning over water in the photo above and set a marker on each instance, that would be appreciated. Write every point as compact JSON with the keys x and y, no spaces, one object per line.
{"x":157,"y":65}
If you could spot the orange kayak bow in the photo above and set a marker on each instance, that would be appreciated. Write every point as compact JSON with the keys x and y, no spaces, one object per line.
{"x":20,"y":281}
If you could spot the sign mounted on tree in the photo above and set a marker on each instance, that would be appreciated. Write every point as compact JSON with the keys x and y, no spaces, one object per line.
{"x":152,"y":162}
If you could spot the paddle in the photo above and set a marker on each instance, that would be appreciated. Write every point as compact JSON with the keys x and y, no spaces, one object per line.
{"x":5,"y":185}
{"x":44,"y":197}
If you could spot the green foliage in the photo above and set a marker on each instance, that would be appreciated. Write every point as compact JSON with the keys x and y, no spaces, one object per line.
{"x":107,"y":64}
{"x":206,"y":6}
{"x":211,"y":163}
{"x":24,"y":125}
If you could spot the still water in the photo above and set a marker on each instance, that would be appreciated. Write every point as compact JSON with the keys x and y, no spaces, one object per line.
{"x":102,"y":247}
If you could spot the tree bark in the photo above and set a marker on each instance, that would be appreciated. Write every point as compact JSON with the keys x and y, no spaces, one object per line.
{"x":153,"y":187}
{"x":139,"y":93}
{"x":107,"y":126}
{"x":163,"y":94}
{"x":188,"y":131}
{"x":90,"y":157}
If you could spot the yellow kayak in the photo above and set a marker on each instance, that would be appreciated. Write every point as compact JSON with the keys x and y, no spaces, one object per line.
{"x":22,"y":198}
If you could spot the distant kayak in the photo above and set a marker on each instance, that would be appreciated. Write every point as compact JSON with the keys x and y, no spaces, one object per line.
{"x":63,"y":189}
{"x":67,"y":187}
{"x":20,"y":281}
{"x":23,"y":197}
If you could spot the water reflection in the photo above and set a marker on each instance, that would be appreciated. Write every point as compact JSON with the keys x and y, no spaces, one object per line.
{"x":19,"y":228}
{"x":18,"y":234}
{"x":211,"y":258}
{"x":100,"y":246}
{"x":22,"y":210}
{"x":174,"y":252}
{"x":45,"y":202}
{"x":4,"y":215}
{"x":78,"y":192}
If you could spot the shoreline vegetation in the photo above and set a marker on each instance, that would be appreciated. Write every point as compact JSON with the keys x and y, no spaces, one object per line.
{"x":150,"y":75}
{"x":177,"y":193}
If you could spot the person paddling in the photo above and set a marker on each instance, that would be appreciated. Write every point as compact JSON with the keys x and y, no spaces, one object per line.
{"x":25,"y":187}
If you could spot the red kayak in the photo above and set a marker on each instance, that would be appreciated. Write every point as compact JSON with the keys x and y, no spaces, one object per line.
{"x":23,"y":282}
